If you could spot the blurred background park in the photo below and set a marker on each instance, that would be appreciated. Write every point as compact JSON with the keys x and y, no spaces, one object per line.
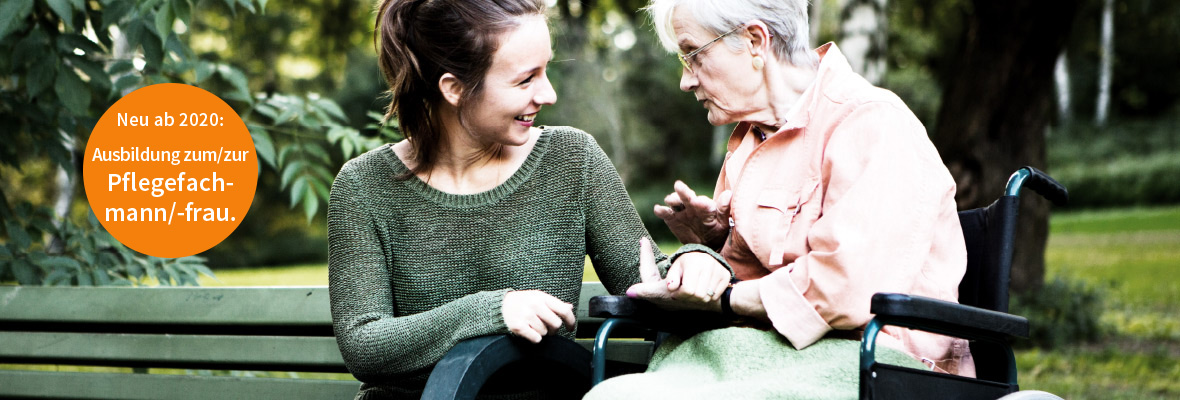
{"x":1086,"y":90}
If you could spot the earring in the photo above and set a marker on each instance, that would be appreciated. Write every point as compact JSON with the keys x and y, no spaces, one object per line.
{"x":758,"y":63}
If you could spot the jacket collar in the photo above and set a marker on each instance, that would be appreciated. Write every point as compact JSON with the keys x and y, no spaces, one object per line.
{"x":832,"y":62}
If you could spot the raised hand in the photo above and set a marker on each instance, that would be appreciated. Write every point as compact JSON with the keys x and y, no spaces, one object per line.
{"x":696,"y":219}
{"x":532,"y":314}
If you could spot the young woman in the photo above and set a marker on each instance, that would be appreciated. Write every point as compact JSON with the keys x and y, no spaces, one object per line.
{"x":479,"y":222}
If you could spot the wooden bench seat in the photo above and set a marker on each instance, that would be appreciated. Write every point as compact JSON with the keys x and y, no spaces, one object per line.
{"x":195,"y":329}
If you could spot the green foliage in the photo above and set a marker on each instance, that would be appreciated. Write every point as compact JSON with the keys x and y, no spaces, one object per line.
{"x":922,"y":35}
{"x":67,"y":66}
{"x":1124,"y":181}
{"x":81,"y":254}
{"x":1062,"y":312}
{"x":303,"y":163}
{"x":1145,"y":82}
{"x":1129,"y":162}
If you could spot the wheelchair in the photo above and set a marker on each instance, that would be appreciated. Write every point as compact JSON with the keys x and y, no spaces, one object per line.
{"x":981,"y":316}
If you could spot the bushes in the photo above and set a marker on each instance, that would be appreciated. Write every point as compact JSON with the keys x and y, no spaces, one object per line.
{"x":1063,"y":311}
{"x":1124,"y":181}
{"x":1126,"y":164}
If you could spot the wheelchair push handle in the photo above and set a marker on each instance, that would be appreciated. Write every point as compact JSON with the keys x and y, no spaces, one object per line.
{"x":1039,"y":182}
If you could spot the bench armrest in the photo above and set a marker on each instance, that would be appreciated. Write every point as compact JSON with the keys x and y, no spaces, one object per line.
{"x":465,"y":368}
{"x":947,"y":318}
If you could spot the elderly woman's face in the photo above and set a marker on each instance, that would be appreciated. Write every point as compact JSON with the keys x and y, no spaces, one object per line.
{"x":722,"y":79}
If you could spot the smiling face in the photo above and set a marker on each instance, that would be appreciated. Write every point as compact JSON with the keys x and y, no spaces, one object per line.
{"x":515,"y":87}
{"x":722,"y":79}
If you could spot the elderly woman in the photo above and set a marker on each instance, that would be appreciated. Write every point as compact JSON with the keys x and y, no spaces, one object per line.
{"x":830,"y":192}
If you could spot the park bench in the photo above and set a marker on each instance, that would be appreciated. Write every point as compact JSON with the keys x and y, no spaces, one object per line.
{"x":192,"y":330}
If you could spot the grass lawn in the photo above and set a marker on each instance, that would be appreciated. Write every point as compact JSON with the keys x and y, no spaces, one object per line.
{"x":1133,"y":254}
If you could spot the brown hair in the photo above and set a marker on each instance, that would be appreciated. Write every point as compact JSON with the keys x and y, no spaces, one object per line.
{"x":420,"y":40}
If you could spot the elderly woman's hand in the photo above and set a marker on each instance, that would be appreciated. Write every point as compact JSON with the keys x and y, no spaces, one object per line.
{"x":696,"y":219}
{"x":695,"y":281}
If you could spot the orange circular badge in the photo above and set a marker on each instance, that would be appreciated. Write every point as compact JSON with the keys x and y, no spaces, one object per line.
{"x":170,"y":170}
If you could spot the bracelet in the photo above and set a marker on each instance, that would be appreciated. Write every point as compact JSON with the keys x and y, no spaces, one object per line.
{"x":726,"y":309}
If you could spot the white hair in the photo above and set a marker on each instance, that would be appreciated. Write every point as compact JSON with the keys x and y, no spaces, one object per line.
{"x":786,"y":19}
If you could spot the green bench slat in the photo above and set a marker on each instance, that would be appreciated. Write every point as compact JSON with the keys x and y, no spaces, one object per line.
{"x":237,"y":328}
{"x":307,"y":305}
{"x":589,"y":289}
{"x":205,"y":351}
{"x":632,"y":351}
{"x":51,"y":385}
{"x":169,"y":305}
{"x":211,"y":351}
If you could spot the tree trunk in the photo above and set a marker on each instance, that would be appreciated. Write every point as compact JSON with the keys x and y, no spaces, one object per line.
{"x":996,"y":107}
{"x":815,"y":21}
{"x":1061,"y":78}
{"x":64,"y":182}
{"x":863,"y":34}
{"x":1107,"y":56}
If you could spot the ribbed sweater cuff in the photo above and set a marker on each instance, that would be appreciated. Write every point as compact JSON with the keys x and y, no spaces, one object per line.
{"x":491,"y":305}
{"x":693,"y":247}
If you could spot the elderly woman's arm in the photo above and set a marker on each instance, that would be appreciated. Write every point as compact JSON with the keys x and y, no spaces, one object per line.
{"x":885,"y":207}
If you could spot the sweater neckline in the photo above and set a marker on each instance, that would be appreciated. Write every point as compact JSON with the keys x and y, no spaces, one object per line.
{"x":490,"y":196}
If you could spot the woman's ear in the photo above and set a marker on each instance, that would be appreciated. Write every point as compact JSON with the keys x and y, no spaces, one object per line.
{"x":451,"y":88}
{"x":759,"y":35}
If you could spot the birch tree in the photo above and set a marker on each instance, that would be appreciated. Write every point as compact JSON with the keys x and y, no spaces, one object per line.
{"x":1061,"y":80}
{"x":1102,"y":109}
{"x":863,"y":34}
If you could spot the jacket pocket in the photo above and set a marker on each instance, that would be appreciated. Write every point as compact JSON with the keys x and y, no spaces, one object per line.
{"x":776,"y":210}
{"x":783,"y":200}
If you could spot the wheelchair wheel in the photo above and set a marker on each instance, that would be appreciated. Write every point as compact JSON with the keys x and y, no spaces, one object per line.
{"x":1031,"y":395}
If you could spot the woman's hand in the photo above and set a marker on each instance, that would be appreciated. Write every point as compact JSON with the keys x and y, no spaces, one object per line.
{"x":698,"y":278}
{"x":696,"y":219}
{"x":695,"y":281}
{"x":532,"y":314}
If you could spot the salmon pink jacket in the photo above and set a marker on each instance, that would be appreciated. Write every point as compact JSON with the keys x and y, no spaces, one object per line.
{"x":849,"y":198}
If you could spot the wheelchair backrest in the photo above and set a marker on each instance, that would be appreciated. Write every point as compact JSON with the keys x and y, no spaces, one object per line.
{"x":990,"y":233}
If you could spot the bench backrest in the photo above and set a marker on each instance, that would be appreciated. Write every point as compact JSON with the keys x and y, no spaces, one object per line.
{"x":204,"y":328}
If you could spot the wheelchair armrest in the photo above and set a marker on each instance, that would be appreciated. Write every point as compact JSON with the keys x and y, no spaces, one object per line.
{"x":621,"y":307}
{"x":465,"y":368}
{"x":627,"y":313}
{"x":947,"y":318}
{"x":651,"y":316}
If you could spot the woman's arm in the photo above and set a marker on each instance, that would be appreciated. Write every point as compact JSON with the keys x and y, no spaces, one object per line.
{"x":613,"y":227}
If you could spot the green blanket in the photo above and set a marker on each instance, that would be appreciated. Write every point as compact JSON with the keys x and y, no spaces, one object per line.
{"x":747,"y":363}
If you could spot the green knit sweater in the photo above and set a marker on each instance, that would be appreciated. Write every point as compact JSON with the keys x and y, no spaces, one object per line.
{"x":414,"y":270}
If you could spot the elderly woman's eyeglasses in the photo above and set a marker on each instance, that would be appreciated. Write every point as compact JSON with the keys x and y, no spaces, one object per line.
{"x":685,"y":58}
